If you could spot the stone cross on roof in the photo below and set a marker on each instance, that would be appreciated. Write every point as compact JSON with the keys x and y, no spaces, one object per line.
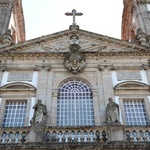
{"x":73,"y":13}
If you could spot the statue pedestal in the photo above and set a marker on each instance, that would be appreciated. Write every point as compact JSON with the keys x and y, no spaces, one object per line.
{"x":116,"y":132}
{"x":36,"y":134}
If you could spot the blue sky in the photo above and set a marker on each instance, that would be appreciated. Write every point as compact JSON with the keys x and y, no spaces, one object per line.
{"x":48,"y":16}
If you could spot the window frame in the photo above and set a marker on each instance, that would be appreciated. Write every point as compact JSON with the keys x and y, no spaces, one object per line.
{"x":148,"y":7}
{"x":15,"y":113}
{"x":77,"y":103}
{"x":135,"y":109}
{"x":3,"y":105}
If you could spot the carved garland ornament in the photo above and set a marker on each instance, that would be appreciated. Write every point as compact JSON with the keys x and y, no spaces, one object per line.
{"x":74,"y":60}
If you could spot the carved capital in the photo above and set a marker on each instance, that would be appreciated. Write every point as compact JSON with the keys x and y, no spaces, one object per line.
{"x":3,"y":68}
{"x":46,"y":67}
{"x":103,"y":67}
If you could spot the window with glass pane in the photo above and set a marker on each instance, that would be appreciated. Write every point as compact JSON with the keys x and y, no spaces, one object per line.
{"x":148,"y":7}
{"x":135,"y":113}
{"x":75,"y":105}
{"x":15,"y":113}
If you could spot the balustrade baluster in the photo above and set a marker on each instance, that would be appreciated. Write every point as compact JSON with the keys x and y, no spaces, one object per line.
{"x":104,"y":136}
{"x":91,"y":136}
{"x":54,"y":134}
{"x":147,"y":135}
{"x":17,"y":136}
{"x":66,"y":136}
{"x":10,"y":137}
{"x":60,"y":136}
{"x":4,"y":136}
{"x":141,"y":136}
{"x":127,"y":134}
{"x":72,"y":135}
{"x":79,"y":136}
{"x":85,"y":135}
{"x":134,"y":134}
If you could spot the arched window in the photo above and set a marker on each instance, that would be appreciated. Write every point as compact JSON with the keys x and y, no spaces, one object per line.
{"x":75,"y":104}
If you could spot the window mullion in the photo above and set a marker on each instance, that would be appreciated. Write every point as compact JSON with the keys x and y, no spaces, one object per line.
{"x":76,"y":103}
{"x":75,"y":113}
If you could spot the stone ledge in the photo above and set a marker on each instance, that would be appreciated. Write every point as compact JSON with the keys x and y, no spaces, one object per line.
{"x":77,"y":146}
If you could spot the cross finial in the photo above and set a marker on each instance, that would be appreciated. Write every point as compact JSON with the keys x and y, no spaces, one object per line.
{"x":73,"y":13}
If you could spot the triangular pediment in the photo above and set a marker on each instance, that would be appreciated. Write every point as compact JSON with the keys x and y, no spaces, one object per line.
{"x":59,"y":43}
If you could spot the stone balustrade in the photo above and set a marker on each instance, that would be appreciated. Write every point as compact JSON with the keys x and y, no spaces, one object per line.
{"x":75,"y":135}
{"x":13,"y":135}
{"x":137,"y":134}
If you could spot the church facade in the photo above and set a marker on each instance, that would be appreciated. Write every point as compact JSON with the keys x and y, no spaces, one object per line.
{"x":75,"y":89}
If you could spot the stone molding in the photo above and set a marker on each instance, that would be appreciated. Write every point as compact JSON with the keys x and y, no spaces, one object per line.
{"x":112,"y":67}
{"x":81,"y":146}
{"x":34,"y":68}
{"x":45,"y":67}
{"x":141,"y":1}
{"x":4,"y":3}
{"x":19,"y":86}
{"x":131,"y":85}
{"x":60,"y":54}
{"x":101,"y":67}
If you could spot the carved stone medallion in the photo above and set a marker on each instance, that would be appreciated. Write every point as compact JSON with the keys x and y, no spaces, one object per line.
{"x":74,"y":60}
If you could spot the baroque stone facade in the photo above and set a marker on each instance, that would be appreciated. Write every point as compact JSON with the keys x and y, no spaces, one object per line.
{"x":77,"y":90}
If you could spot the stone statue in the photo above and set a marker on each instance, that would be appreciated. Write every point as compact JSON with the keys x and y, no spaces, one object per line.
{"x":141,"y":37}
{"x":112,"y":112}
{"x":39,"y":113}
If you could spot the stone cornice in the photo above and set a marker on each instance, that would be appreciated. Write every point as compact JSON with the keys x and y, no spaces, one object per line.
{"x":32,"y":68}
{"x":87,"y":54}
{"x":48,"y":67}
{"x":113,"y":67}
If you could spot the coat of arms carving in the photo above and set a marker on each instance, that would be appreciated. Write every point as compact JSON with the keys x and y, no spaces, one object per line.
{"x":74,"y":60}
